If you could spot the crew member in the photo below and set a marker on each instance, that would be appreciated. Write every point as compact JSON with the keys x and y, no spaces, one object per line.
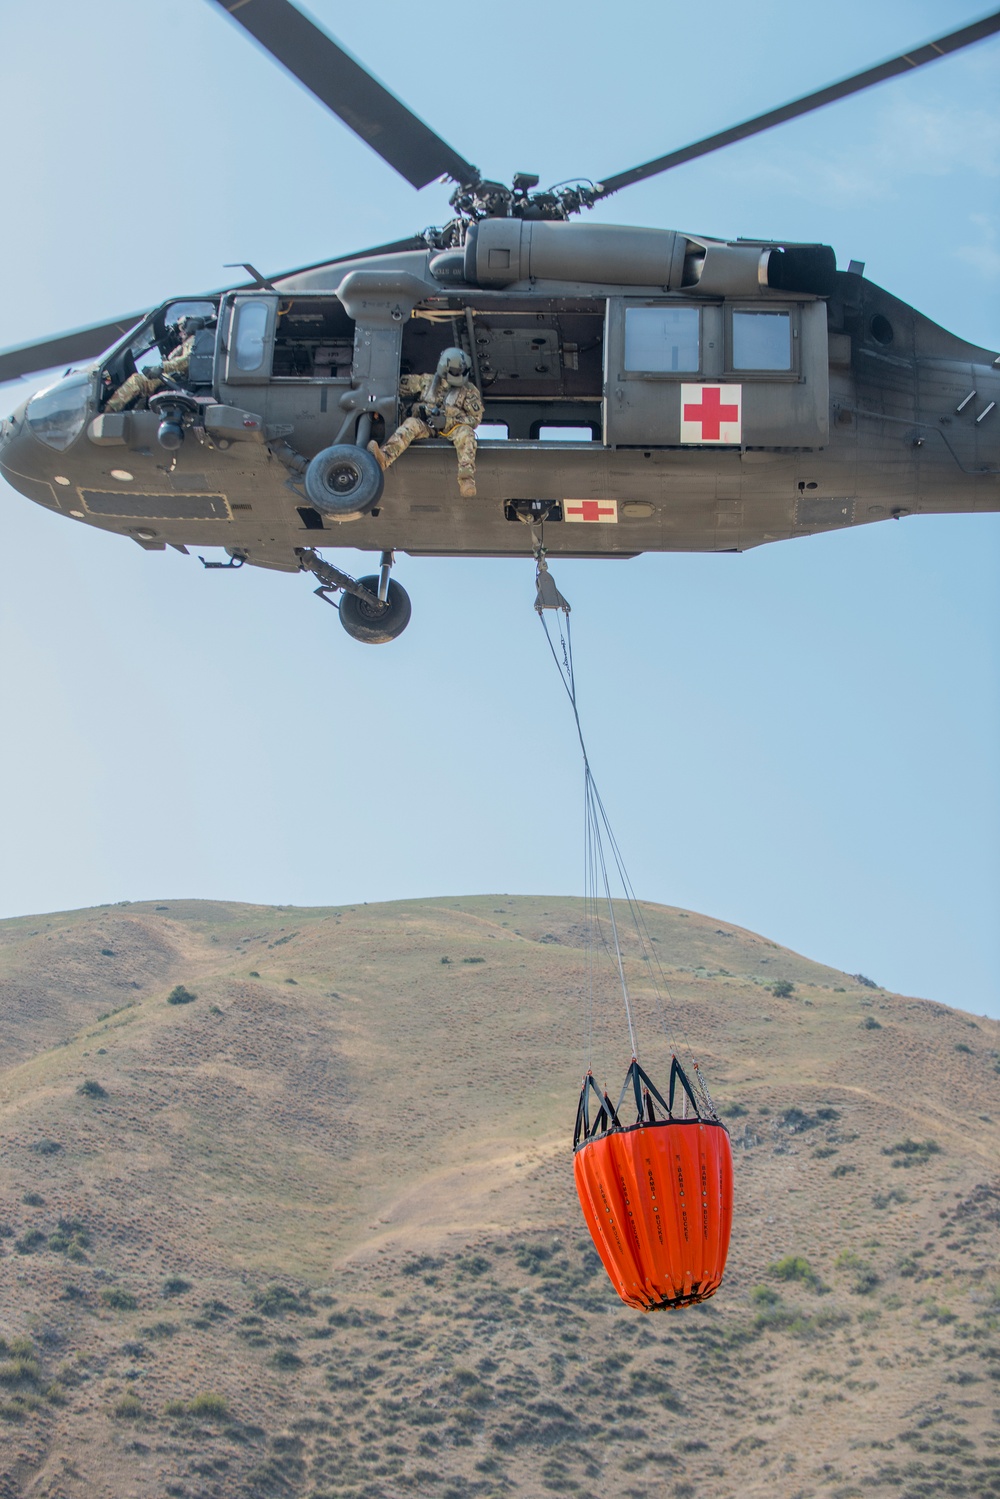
{"x":445,"y":404}
{"x":147,"y":381}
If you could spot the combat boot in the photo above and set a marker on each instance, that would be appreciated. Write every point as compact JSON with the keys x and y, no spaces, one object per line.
{"x":466,"y":487}
{"x":378,"y":455}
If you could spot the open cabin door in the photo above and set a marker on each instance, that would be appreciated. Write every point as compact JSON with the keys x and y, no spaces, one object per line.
{"x":733,"y":374}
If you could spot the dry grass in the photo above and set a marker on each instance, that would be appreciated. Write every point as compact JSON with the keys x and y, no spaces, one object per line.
{"x":320,"y":1239}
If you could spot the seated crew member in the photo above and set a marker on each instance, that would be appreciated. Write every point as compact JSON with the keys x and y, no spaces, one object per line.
{"x":147,"y":381}
{"x":445,"y":404}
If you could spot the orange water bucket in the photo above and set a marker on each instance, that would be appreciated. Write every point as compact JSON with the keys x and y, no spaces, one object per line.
{"x":657,"y":1196}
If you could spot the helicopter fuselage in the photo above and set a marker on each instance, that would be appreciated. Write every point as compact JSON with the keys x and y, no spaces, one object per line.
{"x":643,"y":391}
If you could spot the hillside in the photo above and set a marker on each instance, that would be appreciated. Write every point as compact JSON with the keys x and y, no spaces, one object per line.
{"x":314,"y":1232}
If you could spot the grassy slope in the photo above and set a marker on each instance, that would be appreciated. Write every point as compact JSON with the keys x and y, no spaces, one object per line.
{"x":385,"y":1134}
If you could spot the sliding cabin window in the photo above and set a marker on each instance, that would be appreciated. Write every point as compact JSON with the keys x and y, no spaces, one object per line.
{"x":662,"y":340}
{"x":761,"y":340}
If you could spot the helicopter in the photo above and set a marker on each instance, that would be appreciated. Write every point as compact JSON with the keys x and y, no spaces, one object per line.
{"x":734,"y":392}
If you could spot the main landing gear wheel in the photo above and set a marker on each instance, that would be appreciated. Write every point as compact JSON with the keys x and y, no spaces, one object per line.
{"x":371,"y":623}
{"x":344,"y":482}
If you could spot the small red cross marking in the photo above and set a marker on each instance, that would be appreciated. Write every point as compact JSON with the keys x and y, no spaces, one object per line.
{"x":711,"y":413}
{"x":589,"y":509}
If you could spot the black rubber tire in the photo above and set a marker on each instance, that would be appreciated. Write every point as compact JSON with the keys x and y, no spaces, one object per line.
{"x":344,"y":482}
{"x":363,"y":622}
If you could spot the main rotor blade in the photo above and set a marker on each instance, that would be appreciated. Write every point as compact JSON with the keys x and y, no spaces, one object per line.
{"x":64,"y":348}
{"x":349,"y":90}
{"x":953,"y":42}
{"x":87,"y":343}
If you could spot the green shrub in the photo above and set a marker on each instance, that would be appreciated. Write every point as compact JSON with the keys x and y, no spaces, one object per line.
{"x":175,"y":1285}
{"x":128,"y":1408}
{"x":895,"y":1194}
{"x":473,"y":960}
{"x":782,"y":989}
{"x":46,"y":1147}
{"x":276,"y":1300}
{"x":209,"y":1407}
{"x":798,"y":1120}
{"x":472,"y":1264}
{"x":866,"y":983}
{"x":795,"y":1267}
{"x":254,"y":974}
{"x":20,"y":1371}
{"x":33,"y":1199}
{"x":934,"y":1312}
{"x":869,"y":1024}
{"x":909,"y":1152}
{"x":30,"y":1241}
{"x":92,"y":1089}
{"x":284,"y":1358}
{"x":961,"y":1046}
{"x":205,"y":1407}
{"x":118,"y":1300}
{"x":843,"y":1169}
{"x":733,"y":1111}
{"x":180,"y":996}
{"x":214,"y":1309}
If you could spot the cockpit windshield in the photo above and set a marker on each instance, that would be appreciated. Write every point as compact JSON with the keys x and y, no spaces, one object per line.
{"x":56,"y":414}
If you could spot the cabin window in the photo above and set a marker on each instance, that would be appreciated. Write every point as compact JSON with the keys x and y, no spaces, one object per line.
{"x":762,"y":341}
{"x":313,"y":339}
{"x":250,"y":332}
{"x":662,"y":340}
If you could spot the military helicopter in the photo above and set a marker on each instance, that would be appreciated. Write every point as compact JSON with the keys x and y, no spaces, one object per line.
{"x":735,"y":392}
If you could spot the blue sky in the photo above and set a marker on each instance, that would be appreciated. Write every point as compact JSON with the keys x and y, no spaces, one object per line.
{"x":803,"y":740}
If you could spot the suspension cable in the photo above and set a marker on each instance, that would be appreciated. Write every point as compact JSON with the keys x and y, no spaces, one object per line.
{"x":594,"y":813}
{"x":597,"y":828}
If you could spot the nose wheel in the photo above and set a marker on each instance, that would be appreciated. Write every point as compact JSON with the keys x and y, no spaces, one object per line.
{"x":373,"y":610}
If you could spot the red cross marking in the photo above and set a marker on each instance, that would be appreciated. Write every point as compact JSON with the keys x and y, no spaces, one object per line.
{"x":590,"y":509}
{"x":711,"y":413}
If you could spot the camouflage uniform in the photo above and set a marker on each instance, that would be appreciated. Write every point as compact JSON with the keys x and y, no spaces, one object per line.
{"x":146,"y":385}
{"x":463,"y":407}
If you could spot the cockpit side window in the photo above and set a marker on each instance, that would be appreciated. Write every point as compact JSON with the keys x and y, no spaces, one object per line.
{"x":155,"y":340}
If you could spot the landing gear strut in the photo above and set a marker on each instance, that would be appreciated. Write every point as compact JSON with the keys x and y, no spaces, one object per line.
{"x":374,"y":609}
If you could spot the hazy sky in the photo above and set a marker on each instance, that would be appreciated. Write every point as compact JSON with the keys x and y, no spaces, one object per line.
{"x":803,"y":739}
